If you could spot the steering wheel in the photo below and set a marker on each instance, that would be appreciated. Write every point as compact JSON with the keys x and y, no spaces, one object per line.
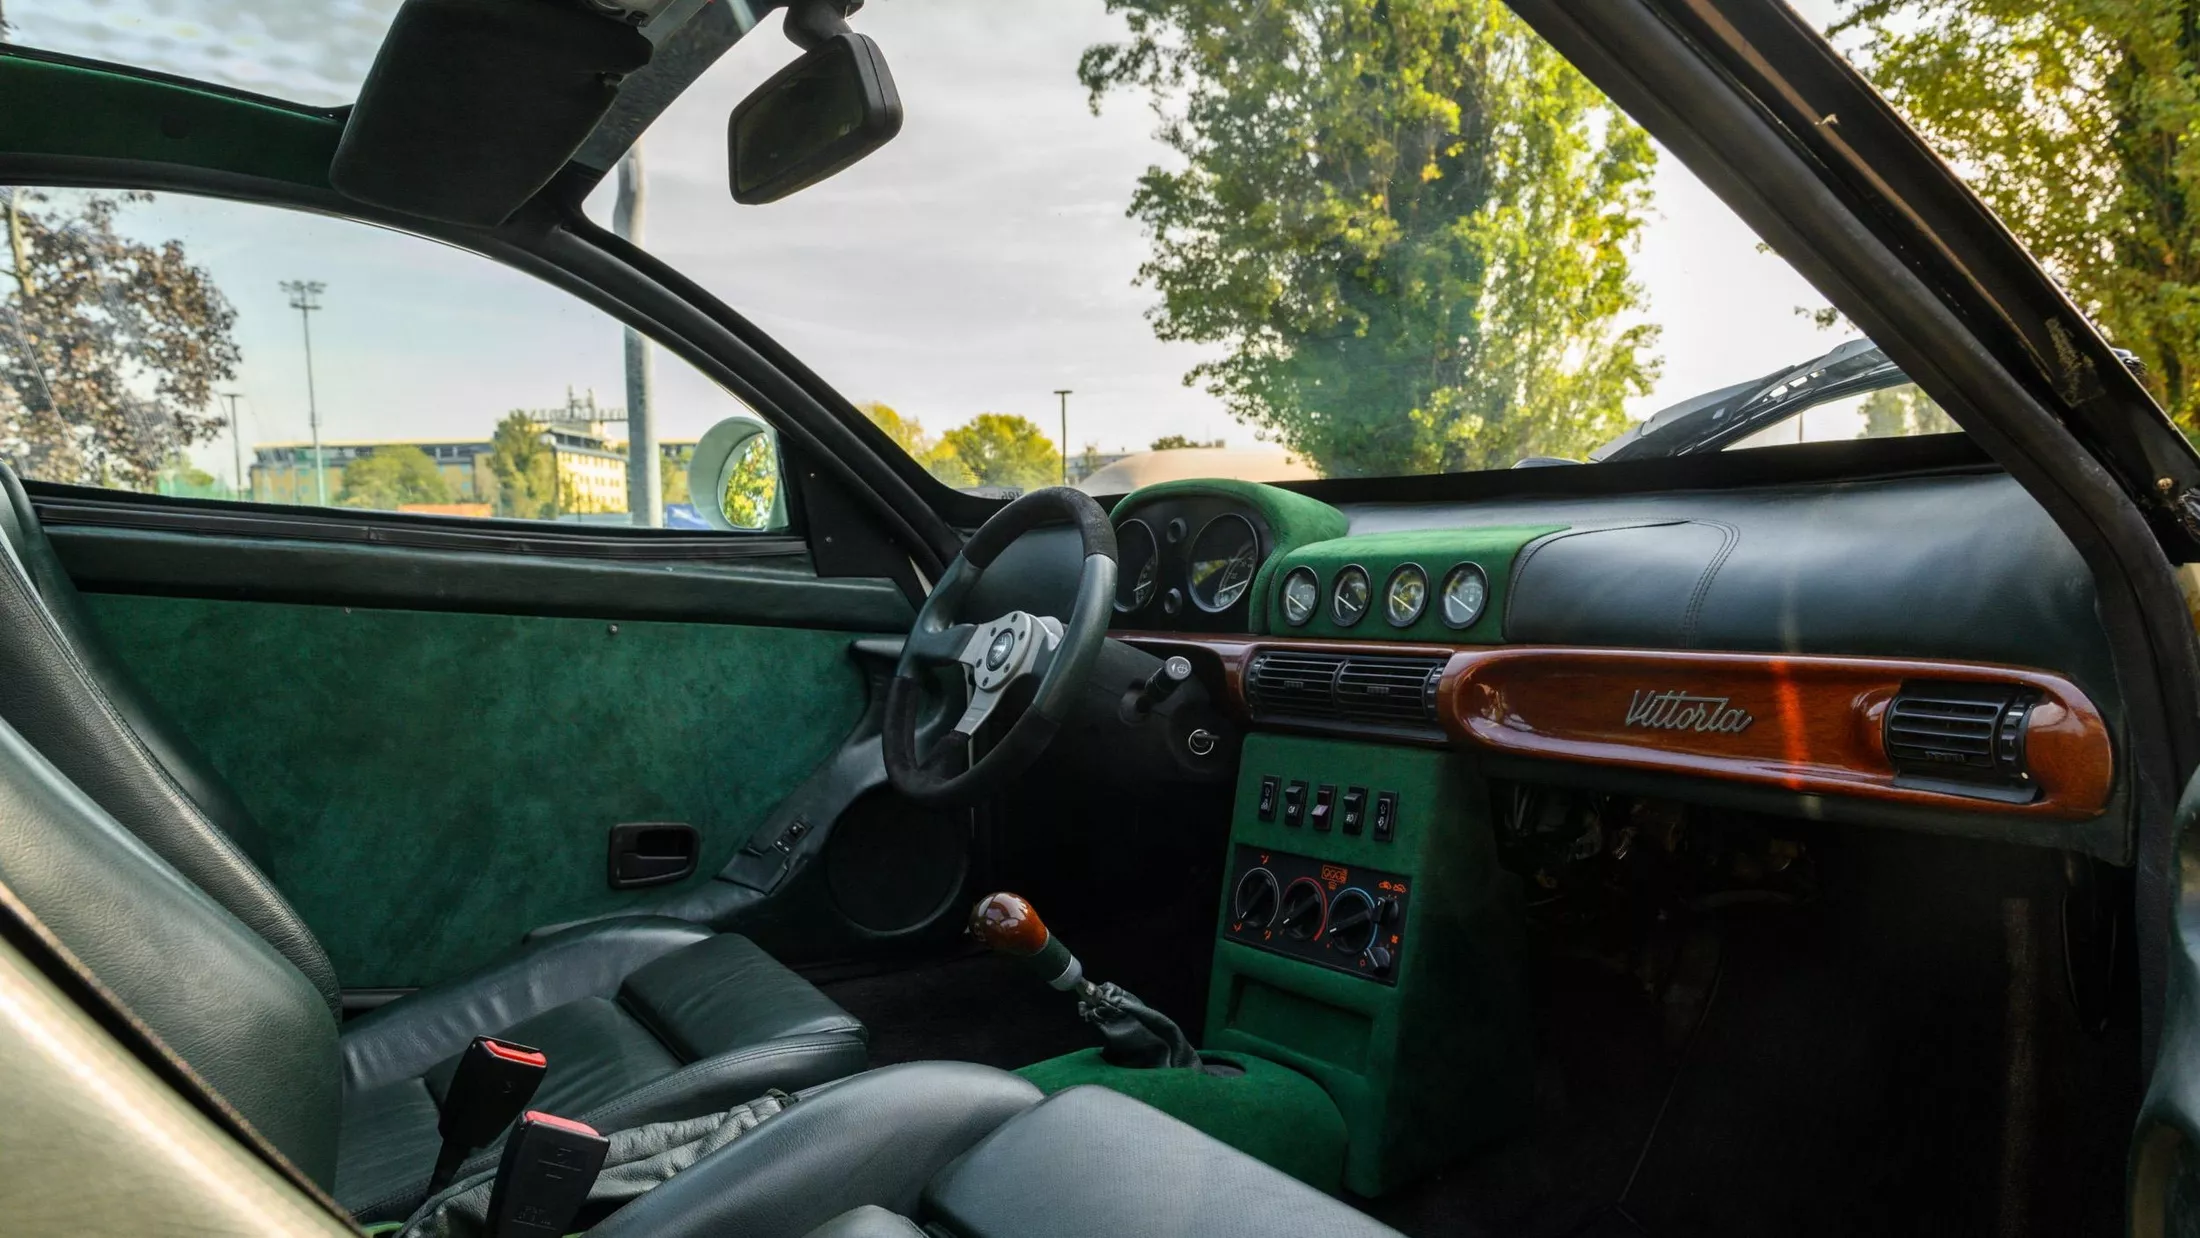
{"x":997,"y":655}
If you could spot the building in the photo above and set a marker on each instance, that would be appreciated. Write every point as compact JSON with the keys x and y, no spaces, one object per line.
{"x":589,"y":463}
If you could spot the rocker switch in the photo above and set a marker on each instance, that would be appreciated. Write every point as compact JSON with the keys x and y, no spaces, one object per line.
{"x":1354,"y":809}
{"x":1294,"y":805}
{"x":1269,"y":786}
{"x":1386,"y":815}
{"x":1324,"y":801}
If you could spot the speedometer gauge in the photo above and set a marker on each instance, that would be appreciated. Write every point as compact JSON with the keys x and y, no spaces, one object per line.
{"x":1348,"y":598}
{"x":1466,"y":591}
{"x":1302,"y":596}
{"x":1224,"y":557}
{"x":1406,"y":596}
{"x":1137,"y":564}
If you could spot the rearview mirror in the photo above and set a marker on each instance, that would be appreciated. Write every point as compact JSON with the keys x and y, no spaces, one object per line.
{"x":832,"y":106}
{"x":733,"y":478}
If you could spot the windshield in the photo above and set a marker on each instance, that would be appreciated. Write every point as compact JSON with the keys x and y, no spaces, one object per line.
{"x":1110,"y":249}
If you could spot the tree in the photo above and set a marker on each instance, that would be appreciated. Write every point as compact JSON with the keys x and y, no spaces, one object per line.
{"x":1407,"y":222}
{"x":393,"y":476}
{"x":2071,"y":118}
{"x":1002,"y":449}
{"x":527,"y":481}
{"x":108,"y":347}
{"x":1897,"y":412}
{"x":1177,"y":442}
{"x":938,"y":459}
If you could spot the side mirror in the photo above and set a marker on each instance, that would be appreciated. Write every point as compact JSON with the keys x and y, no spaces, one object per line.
{"x":733,"y":478}
{"x":835,"y":104}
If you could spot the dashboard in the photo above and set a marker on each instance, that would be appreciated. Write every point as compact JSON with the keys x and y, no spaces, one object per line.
{"x":1918,"y":651}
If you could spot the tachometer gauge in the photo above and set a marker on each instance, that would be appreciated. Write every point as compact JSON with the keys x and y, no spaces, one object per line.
{"x":1224,"y":557}
{"x":1302,"y":596}
{"x":1466,"y":591}
{"x":1137,"y":565}
{"x":1406,"y":596}
{"x":1348,"y":597}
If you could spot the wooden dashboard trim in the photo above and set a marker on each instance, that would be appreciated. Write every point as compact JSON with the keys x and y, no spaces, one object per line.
{"x":1802,"y":723}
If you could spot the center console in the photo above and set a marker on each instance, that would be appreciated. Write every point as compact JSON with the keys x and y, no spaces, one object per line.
{"x":1369,"y":939}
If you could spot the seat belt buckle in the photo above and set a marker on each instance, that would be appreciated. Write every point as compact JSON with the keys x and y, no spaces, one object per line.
{"x":492,"y":1085}
{"x":549,"y":1165}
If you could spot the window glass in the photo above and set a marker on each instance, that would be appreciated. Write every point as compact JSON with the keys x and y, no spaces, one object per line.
{"x":1239,"y":253}
{"x":214,"y":349}
{"x":1900,"y":411}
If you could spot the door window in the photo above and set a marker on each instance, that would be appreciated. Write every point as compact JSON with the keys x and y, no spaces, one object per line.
{"x":169,"y":344}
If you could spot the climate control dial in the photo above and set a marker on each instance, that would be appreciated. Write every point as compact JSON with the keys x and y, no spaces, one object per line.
{"x":1253,"y":903}
{"x":1305,"y":909}
{"x":1352,"y":922}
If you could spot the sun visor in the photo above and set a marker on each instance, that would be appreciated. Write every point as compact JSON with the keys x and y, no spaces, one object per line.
{"x":473,"y":105}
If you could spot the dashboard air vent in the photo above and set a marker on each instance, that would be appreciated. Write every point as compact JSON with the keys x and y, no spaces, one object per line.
{"x":1369,"y":690}
{"x":1971,"y":733}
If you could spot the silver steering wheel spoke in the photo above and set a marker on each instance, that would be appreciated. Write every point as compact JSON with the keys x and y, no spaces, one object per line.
{"x":1014,"y":647}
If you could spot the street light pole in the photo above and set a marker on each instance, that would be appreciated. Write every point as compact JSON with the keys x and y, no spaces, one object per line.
{"x":1064,"y":396}
{"x":236,"y":438}
{"x":645,"y":492}
{"x":304,"y":296}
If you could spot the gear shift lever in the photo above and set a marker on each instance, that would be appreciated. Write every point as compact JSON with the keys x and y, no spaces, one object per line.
{"x":1135,"y":1034}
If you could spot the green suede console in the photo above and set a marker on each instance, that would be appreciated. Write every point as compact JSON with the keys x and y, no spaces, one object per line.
{"x":1271,"y":1113}
{"x":1292,"y":518}
{"x":1439,"y":1062}
{"x":433,"y":785}
{"x":1435,"y":551}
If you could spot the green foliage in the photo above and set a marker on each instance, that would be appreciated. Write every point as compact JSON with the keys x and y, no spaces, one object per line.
{"x":752,"y":486}
{"x":1177,"y":442}
{"x":1407,"y":222}
{"x":527,"y":480}
{"x":178,"y":476}
{"x":1897,"y":412}
{"x":2072,"y":119}
{"x":939,"y":459}
{"x":394,"y":475}
{"x":1002,"y":449}
{"x":108,"y":347}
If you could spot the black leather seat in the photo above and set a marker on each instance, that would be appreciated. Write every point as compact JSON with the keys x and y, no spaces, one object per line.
{"x":644,"y":1018}
{"x":972,"y":1150}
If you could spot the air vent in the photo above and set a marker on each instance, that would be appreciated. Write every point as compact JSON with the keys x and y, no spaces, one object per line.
{"x":1971,"y":733}
{"x":1384,"y":692}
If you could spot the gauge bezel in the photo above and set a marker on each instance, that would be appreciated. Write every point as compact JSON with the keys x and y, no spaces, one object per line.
{"x":1155,"y":558}
{"x":1391,"y":581}
{"x":1283,"y":595}
{"x":1456,"y":568}
{"x":1336,"y":595}
{"x":1191,"y":548}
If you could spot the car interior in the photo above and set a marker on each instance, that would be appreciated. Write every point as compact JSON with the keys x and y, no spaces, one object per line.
{"x":1680,"y":841}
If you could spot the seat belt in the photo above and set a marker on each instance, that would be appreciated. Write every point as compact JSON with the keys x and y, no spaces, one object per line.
{"x":548,"y":1167}
{"x":494,"y":1081}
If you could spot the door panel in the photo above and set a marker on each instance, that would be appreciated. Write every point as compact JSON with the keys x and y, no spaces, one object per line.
{"x":435,"y":784}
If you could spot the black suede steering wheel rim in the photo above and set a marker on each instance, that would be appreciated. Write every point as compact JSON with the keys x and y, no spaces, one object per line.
{"x":997,"y":654}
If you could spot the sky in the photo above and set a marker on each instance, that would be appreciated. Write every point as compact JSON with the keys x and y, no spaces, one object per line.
{"x":977,"y":263}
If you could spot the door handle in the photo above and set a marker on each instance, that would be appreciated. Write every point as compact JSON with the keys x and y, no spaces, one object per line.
{"x":649,"y":853}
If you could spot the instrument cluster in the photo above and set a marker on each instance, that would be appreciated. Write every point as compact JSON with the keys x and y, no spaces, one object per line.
{"x":1187,"y":563}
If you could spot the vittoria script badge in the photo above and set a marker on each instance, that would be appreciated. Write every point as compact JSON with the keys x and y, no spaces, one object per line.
{"x":1678,"y":711}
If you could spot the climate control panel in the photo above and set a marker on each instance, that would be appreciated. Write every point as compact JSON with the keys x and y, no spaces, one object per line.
{"x":1335,"y":915}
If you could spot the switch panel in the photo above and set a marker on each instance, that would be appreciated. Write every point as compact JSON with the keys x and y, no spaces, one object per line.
{"x":1339,"y":916}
